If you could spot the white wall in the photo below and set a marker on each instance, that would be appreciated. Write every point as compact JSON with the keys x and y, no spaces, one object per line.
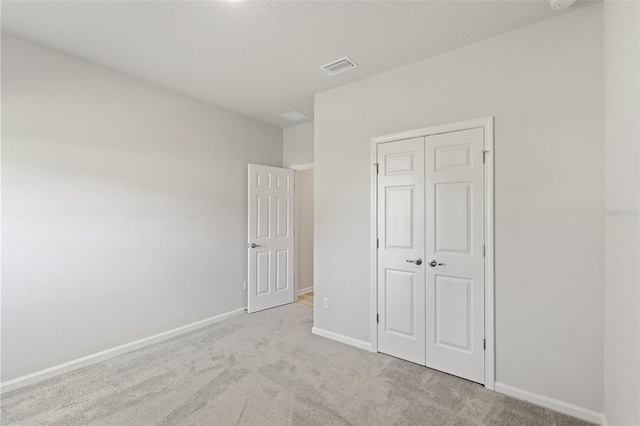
{"x":622,"y":201}
{"x":304,"y":229}
{"x":298,"y":144}
{"x":124,"y":207}
{"x":544,"y":85}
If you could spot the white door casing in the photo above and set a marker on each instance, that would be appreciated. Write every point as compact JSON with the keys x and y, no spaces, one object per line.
{"x":454,"y":242}
{"x":401,"y":283}
{"x":270,"y":243}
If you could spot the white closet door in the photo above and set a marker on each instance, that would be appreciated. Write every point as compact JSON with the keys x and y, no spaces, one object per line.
{"x":454,"y":249}
{"x":401,"y":279}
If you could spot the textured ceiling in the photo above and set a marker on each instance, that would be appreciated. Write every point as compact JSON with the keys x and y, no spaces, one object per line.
{"x":262,"y":58}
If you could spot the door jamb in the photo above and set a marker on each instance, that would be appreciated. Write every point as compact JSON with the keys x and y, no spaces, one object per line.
{"x":487,"y":125}
{"x":296,"y":273}
{"x":300,"y":167}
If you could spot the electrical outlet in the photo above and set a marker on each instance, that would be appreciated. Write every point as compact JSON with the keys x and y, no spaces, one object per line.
{"x":244,"y":285}
{"x":326,"y":303}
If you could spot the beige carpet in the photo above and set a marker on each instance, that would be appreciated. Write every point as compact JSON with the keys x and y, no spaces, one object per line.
{"x":264,"y":369}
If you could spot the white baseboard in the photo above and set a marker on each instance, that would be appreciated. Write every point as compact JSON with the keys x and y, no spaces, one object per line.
{"x":605,"y":422}
{"x":47,"y":373}
{"x":552,"y":403}
{"x":305,"y":290}
{"x":343,"y":339}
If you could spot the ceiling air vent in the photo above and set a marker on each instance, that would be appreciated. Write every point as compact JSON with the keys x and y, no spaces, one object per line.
{"x":293,"y":116}
{"x":341,"y":65}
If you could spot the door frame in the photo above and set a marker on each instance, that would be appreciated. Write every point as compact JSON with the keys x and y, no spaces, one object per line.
{"x":487,"y":123}
{"x":296,"y":273}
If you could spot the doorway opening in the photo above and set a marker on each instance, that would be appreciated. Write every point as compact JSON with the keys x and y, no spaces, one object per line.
{"x":304,"y":222}
{"x":280,"y":236}
{"x":270,"y":242}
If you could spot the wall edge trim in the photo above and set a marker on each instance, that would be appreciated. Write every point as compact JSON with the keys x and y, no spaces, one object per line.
{"x":94,"y":358}
{"x":552,"y":403}
{"x":361,"y":344}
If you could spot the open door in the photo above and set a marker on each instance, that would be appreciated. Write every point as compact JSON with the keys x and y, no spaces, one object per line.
{"x":270,"y":240}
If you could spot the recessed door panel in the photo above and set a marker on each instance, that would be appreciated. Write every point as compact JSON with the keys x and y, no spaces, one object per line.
{"x":400,"y":217}
{"x":453,"y":217}
{"x":282,"y":270}
{"x":263,"y":275}
{"x":263,"y":216}
{"x":263,"y":180}
{"x":282,"y":182}
{"x":400,"y":302}
{"x":400,"y":163}
{"x":453,"y":312}
{"x":452,"y":157}
{"x":283,"y":218}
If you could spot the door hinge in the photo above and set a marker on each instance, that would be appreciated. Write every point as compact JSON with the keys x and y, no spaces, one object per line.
{"x":377,"y":318}
{"x":377,"y":242}
{"x":484,"y":344}
{"x":484,"y":155}
{"x":377,"y":169}
{"x":484,"y":250}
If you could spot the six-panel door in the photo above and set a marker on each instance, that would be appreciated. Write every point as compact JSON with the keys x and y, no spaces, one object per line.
{"x":270,"y":239}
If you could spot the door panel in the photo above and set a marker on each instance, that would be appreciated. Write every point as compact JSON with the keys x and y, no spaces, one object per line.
{"x":399,"y":218}
{"x":262,"y":272}
{"x":282,"y":271}
{"x":263,"y":215}
{"x":401,"y":163}
{"x":453,"y":157}
{"x":453,"y":311}
{"x":401,"y":285}
{"x":454,"y":239}
{"x":452,"y":226}
{"x":282,"y":213}
{"x":271,"y":230}
{"x":400,"y":302}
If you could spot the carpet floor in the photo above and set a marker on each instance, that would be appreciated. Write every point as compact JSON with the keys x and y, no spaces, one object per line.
{"x":264,"y":369}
